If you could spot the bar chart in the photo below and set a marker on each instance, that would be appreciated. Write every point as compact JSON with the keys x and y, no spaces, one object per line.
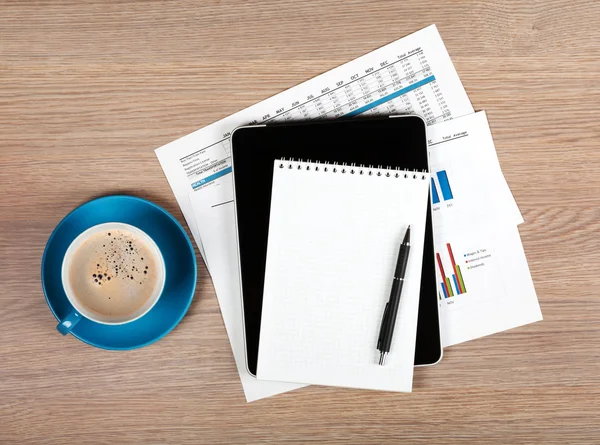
{"x":443,"y":184}
{"x":454,"y":284}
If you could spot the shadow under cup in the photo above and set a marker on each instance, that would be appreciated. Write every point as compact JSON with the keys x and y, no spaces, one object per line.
{"x":77,"y":297}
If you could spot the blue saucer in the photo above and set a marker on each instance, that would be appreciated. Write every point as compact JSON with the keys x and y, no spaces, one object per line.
{"x":178,"y":254}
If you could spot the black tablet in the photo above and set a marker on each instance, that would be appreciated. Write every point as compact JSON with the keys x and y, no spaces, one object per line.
{"x":397,"y":141}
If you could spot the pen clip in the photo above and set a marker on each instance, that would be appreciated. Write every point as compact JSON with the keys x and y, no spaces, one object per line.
{"x":383,"y":324}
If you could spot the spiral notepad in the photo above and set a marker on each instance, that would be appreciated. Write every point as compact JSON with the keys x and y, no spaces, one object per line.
{"x":334,"y":233}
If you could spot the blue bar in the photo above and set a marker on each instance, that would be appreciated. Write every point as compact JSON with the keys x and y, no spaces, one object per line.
{"x":434,"y":193}
{"x":456,"y":284}
{"x":444,"y":185}
{"x":444,"y":290}
{"x":210,"y":178}
{"x":394,"y":95}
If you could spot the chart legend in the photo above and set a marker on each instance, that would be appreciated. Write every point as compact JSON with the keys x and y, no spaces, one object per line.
{"x":453,"y":285}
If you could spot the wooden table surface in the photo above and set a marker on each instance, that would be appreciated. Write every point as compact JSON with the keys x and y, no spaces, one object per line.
{"x":88,"y":90}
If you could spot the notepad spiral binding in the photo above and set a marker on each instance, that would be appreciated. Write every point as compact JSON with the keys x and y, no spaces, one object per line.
{"x":352,"y":169}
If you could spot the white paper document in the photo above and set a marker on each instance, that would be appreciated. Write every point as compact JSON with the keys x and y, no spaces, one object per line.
{"x":332,"y":249}
{"x":484,"y":284}
{"x":411,"y":75}
{"x":216,"y":224}
{"x":467,"y":184}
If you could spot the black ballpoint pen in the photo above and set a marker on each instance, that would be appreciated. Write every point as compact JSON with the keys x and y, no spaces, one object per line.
{"x":390,"y":312}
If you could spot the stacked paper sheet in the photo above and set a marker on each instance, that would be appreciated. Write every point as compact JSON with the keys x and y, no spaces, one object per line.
{"x":483,"y":278}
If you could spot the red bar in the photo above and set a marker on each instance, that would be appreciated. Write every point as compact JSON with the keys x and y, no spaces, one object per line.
{"x":439,"y":260}
{"x":460,"y":289}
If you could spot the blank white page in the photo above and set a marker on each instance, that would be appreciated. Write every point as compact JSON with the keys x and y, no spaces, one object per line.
{"x":332,"y":249}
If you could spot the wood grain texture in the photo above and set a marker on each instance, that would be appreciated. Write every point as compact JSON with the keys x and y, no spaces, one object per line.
{"x":89,"y":89}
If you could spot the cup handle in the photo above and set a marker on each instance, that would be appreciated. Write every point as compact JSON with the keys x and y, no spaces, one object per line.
{"x":68,"y":323}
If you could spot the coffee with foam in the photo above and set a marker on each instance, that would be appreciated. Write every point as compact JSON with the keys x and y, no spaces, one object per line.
{"x":114,"y":274}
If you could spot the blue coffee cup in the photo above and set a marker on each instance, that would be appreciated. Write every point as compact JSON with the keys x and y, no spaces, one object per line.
{"x":174,"y":292}
{"x":79,"y":307}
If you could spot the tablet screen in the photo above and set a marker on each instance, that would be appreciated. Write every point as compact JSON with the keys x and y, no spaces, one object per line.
{"x":388,"y":142}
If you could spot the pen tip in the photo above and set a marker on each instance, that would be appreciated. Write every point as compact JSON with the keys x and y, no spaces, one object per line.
{"x":406,"y":239}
